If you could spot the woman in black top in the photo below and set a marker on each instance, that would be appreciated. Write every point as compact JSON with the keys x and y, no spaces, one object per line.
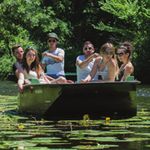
{"x":124,"y":55}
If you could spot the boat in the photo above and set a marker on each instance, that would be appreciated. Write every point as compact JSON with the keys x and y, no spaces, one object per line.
{"x":71,"y":101}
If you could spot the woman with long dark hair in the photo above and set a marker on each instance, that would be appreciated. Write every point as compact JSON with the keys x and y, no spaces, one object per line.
{"x":31,"y":69}
{"x":123,"y":53}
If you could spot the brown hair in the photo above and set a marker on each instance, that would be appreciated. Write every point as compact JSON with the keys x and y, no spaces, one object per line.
{"x":108,"y":47}
{"x":15,"y":47}
{"x":88,"y":42}
{"x":127,"y":47}
{"x":35,"y":65}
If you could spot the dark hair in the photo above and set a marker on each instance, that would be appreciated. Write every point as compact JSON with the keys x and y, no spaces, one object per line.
{"x":35,"y":65}
{"x":127,"y":47}
{"x":15,"y":47}
{"x":87,"y":43}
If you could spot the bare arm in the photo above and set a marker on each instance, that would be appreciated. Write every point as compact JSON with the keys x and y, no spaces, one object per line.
{"x":112,"y":71}
{"x":55,"y":57}
{"x":128,"y":71}
{"x":93,"y":71}
{"x":21,"y":81}
{"x":83,"y":64}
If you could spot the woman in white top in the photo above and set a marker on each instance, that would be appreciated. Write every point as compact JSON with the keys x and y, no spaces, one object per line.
{"x":105,"y":65}
{"x":31,"y":69}
{"x":85,"y":62}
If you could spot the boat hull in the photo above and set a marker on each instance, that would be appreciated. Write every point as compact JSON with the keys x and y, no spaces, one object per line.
{"x":75,"y":100}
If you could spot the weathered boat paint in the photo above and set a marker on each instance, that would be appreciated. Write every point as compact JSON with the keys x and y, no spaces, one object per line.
{"x":75,"y":100}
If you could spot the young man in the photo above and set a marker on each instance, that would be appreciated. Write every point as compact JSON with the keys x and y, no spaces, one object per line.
{"x":85,"y":62}
{"x":53,"y":58}
{"x":18,"y":53}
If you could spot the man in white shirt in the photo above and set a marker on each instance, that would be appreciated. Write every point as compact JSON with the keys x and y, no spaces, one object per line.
{"x":85,"y":62}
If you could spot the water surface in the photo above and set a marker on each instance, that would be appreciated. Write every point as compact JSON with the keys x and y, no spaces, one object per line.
{"x":28,"y":133}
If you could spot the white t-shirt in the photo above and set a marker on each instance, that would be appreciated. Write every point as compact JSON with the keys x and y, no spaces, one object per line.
{"x":53,"y":67}
{"x":82,"y":73}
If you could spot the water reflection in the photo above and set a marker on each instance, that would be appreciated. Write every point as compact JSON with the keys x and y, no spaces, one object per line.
{"x":27,"y":132}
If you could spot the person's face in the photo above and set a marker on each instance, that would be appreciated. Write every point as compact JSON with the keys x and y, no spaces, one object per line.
{"x":121,"y":55}
{"x":52,"y":42}
{"x":88,"y":49}
{"x":18,"y":53}
{"x":30,"y":56}
{"x":108,"y":53}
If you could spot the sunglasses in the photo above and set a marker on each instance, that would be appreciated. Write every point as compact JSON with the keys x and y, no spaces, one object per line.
{"x":88,"y":48}
{"x":53,"y":41}
{"x":119,"y":54}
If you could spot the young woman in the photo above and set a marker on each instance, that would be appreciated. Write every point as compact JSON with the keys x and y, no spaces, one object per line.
{"x":31,"y":69}
{"x":105,"y":65}
{"x":123,"y":54}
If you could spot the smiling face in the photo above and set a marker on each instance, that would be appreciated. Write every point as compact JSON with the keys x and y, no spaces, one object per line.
{"x":30,"y":56}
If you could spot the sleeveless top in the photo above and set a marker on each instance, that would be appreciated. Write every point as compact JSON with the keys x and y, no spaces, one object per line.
{"x":104,"y":71}
{"x":33,"y":75}
{"x":120,"y":75}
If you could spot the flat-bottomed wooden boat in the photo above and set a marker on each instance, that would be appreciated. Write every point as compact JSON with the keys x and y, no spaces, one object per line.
{"x":71,"y":101}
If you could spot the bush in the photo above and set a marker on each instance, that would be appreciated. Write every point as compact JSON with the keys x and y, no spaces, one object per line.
{"x":6,"y":62}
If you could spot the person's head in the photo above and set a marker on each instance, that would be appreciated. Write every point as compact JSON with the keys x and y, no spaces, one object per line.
{"x":88,"y":48}
{"x":124,"y":51}
{"x":30,"y":58}
{"x":52,"y":39}
{"x":107,"y":51}
{"x":18,"y":52}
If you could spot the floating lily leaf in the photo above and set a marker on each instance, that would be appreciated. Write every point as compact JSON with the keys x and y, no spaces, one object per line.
{"x":148,"y":146}
{"x":15,"y":144}
{"x":48,"y":140}
{"x":132,"y":139}
{"x":99,"y":146}
{"x":97,"y":139}
{"x":143,"y":134}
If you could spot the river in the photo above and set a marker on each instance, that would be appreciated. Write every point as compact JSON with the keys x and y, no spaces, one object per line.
{"x":28,"y":133}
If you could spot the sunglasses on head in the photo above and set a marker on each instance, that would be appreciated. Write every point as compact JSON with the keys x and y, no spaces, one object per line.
{"x":120,"y":54}
{"x":88,"y":48}
{"x":52,"y":41}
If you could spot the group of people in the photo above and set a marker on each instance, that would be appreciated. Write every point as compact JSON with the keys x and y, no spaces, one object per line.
{"x":104,"y":66}
{"x":91,"y":66}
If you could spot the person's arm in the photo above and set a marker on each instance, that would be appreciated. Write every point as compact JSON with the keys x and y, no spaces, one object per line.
{"x":58,"y":58}
{"x":127,"y":72}
{"x":21,"y":81}
{"x":84,"y":63}
{"x":112,"y":70}
{"x":93,"y":71}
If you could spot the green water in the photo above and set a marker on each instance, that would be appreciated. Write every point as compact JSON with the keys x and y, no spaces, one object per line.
{"x":27,"y":133}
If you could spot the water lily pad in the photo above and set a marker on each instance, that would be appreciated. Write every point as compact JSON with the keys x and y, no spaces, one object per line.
{"x":99,"y":146}
{"x":133,"y":139}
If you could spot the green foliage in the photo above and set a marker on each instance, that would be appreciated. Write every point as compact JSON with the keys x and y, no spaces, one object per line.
{"x":27,"y":22}
{"x":6,"y":62}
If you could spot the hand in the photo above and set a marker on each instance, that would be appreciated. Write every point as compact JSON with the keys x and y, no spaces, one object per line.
{"x":20,"y":88}
{"x":45,"y":54}
{"x":95,"y":55}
